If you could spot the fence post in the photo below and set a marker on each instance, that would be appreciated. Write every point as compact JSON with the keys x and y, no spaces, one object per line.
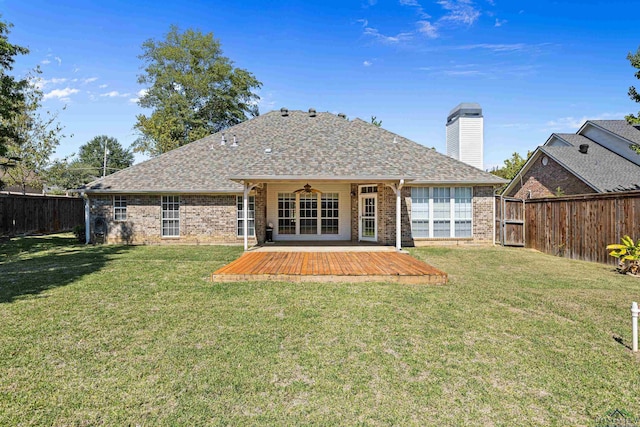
{"x":634,"y":325}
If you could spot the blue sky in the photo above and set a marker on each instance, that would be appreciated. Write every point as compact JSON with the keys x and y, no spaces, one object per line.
{"x":534,"y":67}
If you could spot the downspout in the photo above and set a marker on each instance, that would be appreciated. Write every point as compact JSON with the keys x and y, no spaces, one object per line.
{"x":245,"y":215}
{"x":399,"y":215}
{"x":87,"y":219}
{"x":494,"y":214}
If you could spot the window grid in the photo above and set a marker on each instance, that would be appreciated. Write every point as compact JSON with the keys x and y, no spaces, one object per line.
{"x":329,"y":213}
{"x":308,"y":214}
{"x":286,"y":213}
{"x":119,"y":208}
{"x":170,"y":216}
{"x":441,"y":212}
{"x":368,"y":189}
{"x":435,"y":209}
{"x":251,"y":215}
{"x":420,"y":211}
{"x":463,"y":212}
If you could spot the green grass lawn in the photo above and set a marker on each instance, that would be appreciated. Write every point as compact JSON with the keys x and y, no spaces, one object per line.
{"x":117,"y":335}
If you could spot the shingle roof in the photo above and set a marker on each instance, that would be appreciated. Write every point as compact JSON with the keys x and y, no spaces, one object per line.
{"x":325,"y":146}
{"x":621,"y":128}
{"x":601,"y":168}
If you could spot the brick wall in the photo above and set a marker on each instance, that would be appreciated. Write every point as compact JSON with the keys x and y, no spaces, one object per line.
{"x":543,"y":181}
{"x":212,"y":218}
{"x":483,"y":222}
{"x":203,"y":219}
{"x":482,"y":217}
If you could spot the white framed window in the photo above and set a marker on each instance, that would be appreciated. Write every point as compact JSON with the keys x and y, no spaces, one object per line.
{"x":119,"y":208}
{"x":441,"y":212}
{"x":286,"y":213}
{"x":251,"y":215}
{"x":170,"y":216}
{"x":463,"y":212}
{"x":309,"y":213}
{"x":329,"y":213}
{"x":367,"y":189}
{"x":420,"y":211}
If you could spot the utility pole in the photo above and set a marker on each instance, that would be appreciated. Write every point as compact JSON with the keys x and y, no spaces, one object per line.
{"x":104,"y":164}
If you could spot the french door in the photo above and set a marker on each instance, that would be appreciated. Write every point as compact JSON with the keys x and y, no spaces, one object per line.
{"x":368,"y":217}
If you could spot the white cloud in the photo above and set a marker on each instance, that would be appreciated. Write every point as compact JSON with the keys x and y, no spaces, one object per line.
{"x":102,"y":86}
{"x":42,"y":83}
{"x":428,"y":29}
{"x":415,"y":4}
{"x":462,"y":73}
{"x":89,"y":80}
{"x":57,"y":58}
{"x":62,"y":94}
{"x":140,"y":94}
{"x":367,"y":63}
{"x":115,"y":94}
{"x":372,"y":32}
{"x":45,"y":62}
{"x":494,"y":47}
{"x":459,"y":11}
{"x":500,"y":22}
{"x":572,"y":124}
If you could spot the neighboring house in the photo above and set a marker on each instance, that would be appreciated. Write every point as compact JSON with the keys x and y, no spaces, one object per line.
{"x":311,"y":176}
{"x":599,"y":158}
{"x":31,"y":186}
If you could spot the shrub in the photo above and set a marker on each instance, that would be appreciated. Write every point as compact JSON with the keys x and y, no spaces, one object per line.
{"x":628,"y":253}
{"x":79,"y":231}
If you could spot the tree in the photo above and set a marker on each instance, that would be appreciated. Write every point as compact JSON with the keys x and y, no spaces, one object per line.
{"x":11,"y":94}
{"x":511,"y":166}
{"x":91,"y":154}
{"x":68,"y":173}
{"x":375,"y":121}
{"x":37,"y":135}
{"x":633,"y":93}
{"x":193,"y":90}
{"x":72,"y":171}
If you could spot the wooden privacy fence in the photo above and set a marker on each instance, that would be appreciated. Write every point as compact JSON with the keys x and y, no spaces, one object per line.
{"x":580,"y":227}
{"x":23,"y":214}
{"x":509,"y":221}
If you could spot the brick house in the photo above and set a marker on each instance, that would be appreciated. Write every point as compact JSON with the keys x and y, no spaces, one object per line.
{"x":599,"y":158}
{"x":305,"y":175}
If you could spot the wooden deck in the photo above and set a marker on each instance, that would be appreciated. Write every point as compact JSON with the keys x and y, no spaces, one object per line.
{"x":330,"y":267}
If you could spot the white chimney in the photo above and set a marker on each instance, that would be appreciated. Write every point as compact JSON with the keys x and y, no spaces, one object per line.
{"x":465,"y":134}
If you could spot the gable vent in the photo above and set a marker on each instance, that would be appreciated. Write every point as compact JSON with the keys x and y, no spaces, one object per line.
{"x":584,"y":148}
{"x":284,"y":112}
{"x":312,"y":112}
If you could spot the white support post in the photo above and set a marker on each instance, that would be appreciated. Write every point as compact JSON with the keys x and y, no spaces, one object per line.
{"x":245,"y":215}
{"x":87,"y":219}
{"x":634,"y":325}
{"x":398,"y":191}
